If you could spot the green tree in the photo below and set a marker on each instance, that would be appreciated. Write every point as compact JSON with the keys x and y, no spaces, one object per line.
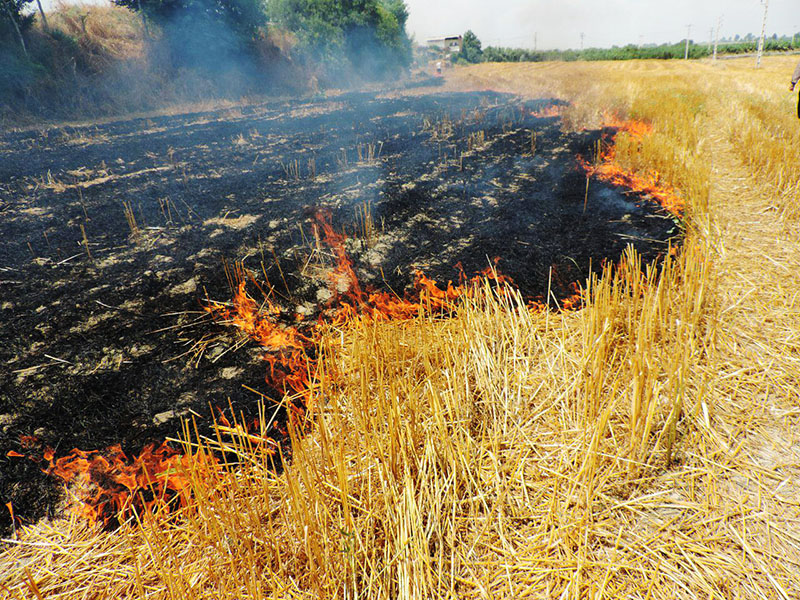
{"x":242,"y":16}
{"x":13,"y":22}
{"x":471,"y":50}
{"x":216,"y":37}
{"x":365,"y":36}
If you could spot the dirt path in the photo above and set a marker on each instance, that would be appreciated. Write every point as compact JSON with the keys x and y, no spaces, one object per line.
{"x":760,"y":275}
{"x":744,"y":504}
{"x":753,"y":404}
{"x":759,"y":344}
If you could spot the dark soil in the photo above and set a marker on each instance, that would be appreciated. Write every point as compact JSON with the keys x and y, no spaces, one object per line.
{"x":104,"y":349}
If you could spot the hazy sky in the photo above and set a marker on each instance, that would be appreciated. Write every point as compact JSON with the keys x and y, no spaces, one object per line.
{"x":559,"y":23}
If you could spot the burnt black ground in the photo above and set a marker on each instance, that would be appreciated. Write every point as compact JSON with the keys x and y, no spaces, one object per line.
{"x":93,"y":351}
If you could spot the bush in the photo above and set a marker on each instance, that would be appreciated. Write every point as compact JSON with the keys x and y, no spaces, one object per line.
{"x":629,"y":52}
{"x":108,"y":60}
{"x":16,"y":74}
{"x":362,"y":39}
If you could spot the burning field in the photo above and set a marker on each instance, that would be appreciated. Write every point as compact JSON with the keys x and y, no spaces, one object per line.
{"x":177,"y":267}
{"x":454,"y":344}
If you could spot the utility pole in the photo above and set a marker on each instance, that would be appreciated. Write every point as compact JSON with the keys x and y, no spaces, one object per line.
{"x":583,"y":35}
{"x":763,"y":34}
{"x":688,"y":35}
{"x":716,"y":39}
{"x":535,"y":41}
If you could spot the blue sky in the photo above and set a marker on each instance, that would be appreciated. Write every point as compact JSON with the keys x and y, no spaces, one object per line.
{"x":559,"y":23}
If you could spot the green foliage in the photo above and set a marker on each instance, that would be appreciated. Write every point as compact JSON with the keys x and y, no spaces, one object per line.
{"x":630,"y":52}
{"x":11,"y":12}
{"x":242,"y":16}
{"x":365,"y":36}
{"x":16,"y":69}
{"x":471,"y":50}
{"x":65,"y":42}
{"x":213,"y":37}
{"x":16,"y":72}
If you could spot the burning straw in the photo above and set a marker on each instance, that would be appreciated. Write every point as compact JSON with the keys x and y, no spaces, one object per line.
{"x":642,"y":181}
{"x":443,"y":434}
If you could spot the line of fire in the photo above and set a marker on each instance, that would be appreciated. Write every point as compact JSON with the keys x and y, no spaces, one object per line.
{"x":252,"y":234}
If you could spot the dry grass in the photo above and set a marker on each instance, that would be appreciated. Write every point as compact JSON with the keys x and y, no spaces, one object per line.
{"x":640,"y":448}
{"x":104,"y":32}
{"x":98,"y":61}
{"x":765,"y":134}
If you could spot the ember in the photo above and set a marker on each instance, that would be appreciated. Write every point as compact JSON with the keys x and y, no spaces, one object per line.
{"x":547,"y":112}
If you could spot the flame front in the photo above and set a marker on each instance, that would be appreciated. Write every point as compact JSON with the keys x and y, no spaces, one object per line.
{"x":110,"y":485}
{"x":548,"y":112}
{"x":608,"y":169}
{"x":426,"y":295}
{"x":258,"y":322}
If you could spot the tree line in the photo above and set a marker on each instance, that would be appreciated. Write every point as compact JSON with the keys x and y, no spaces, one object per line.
{"x":473,"y":51}
{"x":366,"y":38}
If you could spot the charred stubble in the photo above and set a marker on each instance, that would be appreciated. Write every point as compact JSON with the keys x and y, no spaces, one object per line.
{"x":105,"y":337}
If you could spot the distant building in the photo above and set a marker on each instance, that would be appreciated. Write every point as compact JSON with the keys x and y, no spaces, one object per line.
{"x":448,"y":45}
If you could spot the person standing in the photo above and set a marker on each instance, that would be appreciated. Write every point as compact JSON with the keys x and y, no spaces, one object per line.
{"x":795,"y":79}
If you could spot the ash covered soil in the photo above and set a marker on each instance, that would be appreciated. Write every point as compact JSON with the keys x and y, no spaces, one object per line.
{"x":112,"y":346}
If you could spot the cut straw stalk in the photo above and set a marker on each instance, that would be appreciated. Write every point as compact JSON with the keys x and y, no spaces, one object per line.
{"x":86,"y":242}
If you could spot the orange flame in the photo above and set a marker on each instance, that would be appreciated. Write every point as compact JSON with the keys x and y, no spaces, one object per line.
{"x":381,"y":305}
{"x":650,"y":183}
{"x":286,"y":346}
{"x":111,"y":486}
{"x":547,"y":112}
{"x":632,"y":126}
{"x":258,"y":322}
